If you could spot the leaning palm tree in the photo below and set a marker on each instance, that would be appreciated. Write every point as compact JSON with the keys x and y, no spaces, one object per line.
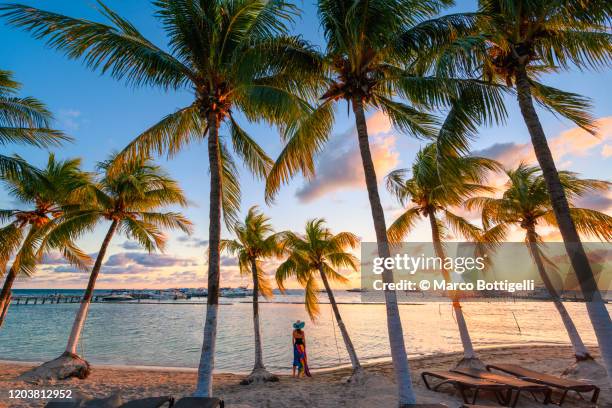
{"x":255,"y":241}
{"x":369,"y":45}
{"x":519,"y":41}
{"x":23,"y":120}
{"x":433,"y":193}
{"x":526,"y":203}
{"x":318,"y":254}
{"x":129,"y":199}
{"x":46,"y":195}
{"x":235,"y":56}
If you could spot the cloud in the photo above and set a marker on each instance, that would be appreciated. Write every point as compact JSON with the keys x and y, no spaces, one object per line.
{"x":229,"y":261}
{"x":606,"y":151}
{"x":596,"y":201}
{"x":193,"y":241}
{"x":130,"y":245}
{"x":146,"y":260}
{"x":70,"y":119}
{"x":54,"y":258}
{"x":339,"y":166}
{"x":573,"y":142}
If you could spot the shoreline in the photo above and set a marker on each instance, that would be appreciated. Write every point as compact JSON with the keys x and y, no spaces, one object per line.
{"x":364,"y":362}
{"x":325,"y":389}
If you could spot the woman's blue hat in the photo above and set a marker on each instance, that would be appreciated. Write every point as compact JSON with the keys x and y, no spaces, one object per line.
{"x":299,"y":325}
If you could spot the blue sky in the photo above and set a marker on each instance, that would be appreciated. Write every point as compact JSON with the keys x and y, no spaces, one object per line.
{"x":104,"y":115}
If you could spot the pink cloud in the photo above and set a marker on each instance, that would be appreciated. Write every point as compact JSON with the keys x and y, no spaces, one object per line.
{"x":339,"y":166}
{"x":572,"y":142}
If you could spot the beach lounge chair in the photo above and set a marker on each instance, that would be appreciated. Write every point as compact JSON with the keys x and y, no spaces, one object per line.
{"x":199,"y":402}
{"x":477,"y":406}
{"x":151,"y":402}
{"x":62,"y":404}
{"x":563,"y":384}
{"x":463,"y":383}
{"x":516,"y":384}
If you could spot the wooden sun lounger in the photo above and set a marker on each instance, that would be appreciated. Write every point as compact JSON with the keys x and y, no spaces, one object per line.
{"x":563,"y":384}
{"x":199,"y":402}
{"x":516,"y":384}
{"x":477,"y":406}
{"x":463,"y":383}
{"x":152,"y":402}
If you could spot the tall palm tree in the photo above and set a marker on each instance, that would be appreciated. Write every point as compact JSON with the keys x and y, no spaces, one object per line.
{"x":235,"y":56}
{"x":46,"y":195}
{"x":526,"y":203}
{"x":432,"y":194}
{"x":519,"y":41}
{"x":318,"y":254}
{"x":129,"y":199}
{"x":369,"y":45}
{"x":255,"y":241}
{"x":23,"y":120}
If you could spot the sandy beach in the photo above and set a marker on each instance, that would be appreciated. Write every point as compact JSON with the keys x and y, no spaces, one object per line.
{"x":323,"y":389}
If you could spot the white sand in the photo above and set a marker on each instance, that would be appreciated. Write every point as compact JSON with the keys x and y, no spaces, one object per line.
{"x":324,"y":389}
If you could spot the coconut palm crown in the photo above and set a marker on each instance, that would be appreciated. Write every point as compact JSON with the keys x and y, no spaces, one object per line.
{"x":317,"y":249}
{"x":45,"y":222}
{"x":431,"y":192}
{"x":23,"y":120}
{"x":526,"y":203}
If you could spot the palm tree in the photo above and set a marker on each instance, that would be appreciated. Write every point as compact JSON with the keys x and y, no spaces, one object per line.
{"x":23,"y":120}
{"x":519,"y":41}
{"x":255,"y":241}
{"x":433,"y":193}
{"x":30,"y":232}
{"x":320,"y":252}
{"x":369,"y":46}
{"x":234,"y":56}
{"x":526,"y":203}
{"x":129,"y":200}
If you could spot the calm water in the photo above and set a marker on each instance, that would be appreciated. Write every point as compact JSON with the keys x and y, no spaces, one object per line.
{"x":171,"y":334}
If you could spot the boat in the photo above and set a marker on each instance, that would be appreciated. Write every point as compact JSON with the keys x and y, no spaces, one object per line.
{"x":358,"y":290}
{"x":117,"y":297}
{"x":239,"y":292}
{"x":168,"y":294}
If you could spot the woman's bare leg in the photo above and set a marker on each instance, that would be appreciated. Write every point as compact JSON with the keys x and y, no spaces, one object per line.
{"x":293,"y":372}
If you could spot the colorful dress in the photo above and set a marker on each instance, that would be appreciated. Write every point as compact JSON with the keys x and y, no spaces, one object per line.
{"x":300,"y":359}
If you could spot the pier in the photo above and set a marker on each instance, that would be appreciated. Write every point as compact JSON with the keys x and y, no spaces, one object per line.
{"x":49,"y":299}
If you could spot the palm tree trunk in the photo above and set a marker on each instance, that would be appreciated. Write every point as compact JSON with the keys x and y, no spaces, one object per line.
{"x":79,"y":320}
{"x":5,"y":295}
{"x":600,"y":318}
{"x":257,"y":333}
{"x":401,"y":366}
{"x":345,"y":336}
{"x":207,"y":358}
{"x":580,"y":351}
{"x":468,"y":348}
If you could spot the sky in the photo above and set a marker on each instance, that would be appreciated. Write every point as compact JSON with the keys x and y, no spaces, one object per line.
{"x":103,"y":115}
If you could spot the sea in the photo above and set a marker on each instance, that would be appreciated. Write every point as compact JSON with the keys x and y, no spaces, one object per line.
{"x":169,"y":333}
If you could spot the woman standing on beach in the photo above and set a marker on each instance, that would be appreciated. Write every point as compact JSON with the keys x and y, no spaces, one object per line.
{"x":299,"y":350}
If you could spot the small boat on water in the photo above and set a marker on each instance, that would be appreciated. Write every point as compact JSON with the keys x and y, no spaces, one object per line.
{"x":239,"y":292}
{"x":117,"y":297}
{"x":358,"y":290}
{"x":167,"y":294}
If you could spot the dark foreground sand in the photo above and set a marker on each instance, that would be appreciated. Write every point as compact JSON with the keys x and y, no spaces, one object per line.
{"x":324,"y":389}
